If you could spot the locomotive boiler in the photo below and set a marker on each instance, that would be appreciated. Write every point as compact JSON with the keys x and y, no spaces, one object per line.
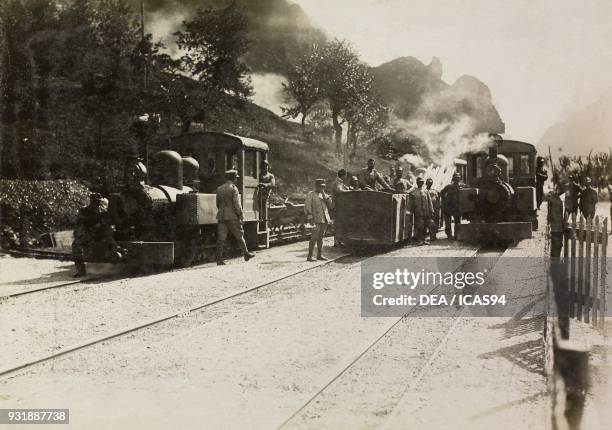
{"x":499,"y":201}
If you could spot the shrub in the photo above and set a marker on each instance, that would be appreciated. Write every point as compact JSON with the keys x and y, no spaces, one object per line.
{"x":34,"y":207}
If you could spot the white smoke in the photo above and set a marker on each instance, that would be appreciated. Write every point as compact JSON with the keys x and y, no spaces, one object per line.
{"x":446,"y":141}
{"x":413,"y":160}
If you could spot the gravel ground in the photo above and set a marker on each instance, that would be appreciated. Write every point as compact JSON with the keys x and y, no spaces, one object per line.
{"x":253,"y":361}
{"x":60,"y":318}
{"x":24,"y":274}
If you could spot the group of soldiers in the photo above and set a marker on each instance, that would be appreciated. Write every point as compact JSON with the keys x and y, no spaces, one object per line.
{"x":428,"y":206}
{"x":578,"y":196}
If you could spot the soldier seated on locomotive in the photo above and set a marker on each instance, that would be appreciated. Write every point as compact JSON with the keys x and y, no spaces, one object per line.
{"x":93,"y":225}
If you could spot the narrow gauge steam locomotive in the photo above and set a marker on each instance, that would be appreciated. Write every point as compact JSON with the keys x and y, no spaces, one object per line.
{"x":172,"y":220}
{"x":499,"y":200}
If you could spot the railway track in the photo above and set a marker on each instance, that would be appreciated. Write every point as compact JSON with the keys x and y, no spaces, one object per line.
{"x":422,"y":371}
{"x":157,"y":320}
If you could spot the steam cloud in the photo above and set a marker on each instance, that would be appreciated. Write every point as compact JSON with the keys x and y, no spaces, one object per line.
{"x":446,"y":140}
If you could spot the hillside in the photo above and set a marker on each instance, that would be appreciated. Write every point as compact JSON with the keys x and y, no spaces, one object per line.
{"x":580,"y":132}
{"x":296,"y":160}
{"x":416,"y":91}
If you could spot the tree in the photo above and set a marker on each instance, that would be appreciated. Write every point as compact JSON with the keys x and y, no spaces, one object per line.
{"x":302,"y":89}
{"x":332,"y":73}
{"x":215,"y":40}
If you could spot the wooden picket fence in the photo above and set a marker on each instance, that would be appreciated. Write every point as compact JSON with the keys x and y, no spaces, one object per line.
{"x":585,"y":257}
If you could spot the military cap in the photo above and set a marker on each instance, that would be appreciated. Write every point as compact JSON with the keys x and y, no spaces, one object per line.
{"x":420,"y":179}
{"x":319,"y":181}
{"x":265,"y":163}
{"x":399,"y":169}
{"x":232,"y":174}
{"x":429,"y":180}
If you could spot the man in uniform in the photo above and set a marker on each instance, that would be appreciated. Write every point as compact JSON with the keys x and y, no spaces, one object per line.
{"x":556,"y":221}
{"x":401,"y":184}
{"x":572,"y":197}
{"x":588,"y":199}
{"x":450,"y":206}
{"x":338,"y":187}
{"x":370,"y":179}
{"x":267,"y":183}
{"x":422,"y":208}
{"x":230,"y":217}
{"x":434,"y":225}
{"x":558,"y":230}
{"x":541,"y":177}
{"x":92,"y":225}
{"x":316,"y":208}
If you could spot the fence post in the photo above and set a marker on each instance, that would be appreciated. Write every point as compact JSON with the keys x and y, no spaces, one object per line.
{"x":587,"y":272}
{"x":595,"y":293}
{"x":604,"y":246}
{"x":572,"y":279}
{"x":580,"y":290}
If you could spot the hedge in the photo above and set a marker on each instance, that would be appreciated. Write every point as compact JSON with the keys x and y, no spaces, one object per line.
{"x":31,"y":208}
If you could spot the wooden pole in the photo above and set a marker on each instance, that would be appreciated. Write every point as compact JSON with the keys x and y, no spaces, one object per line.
{"x":587,"y":272}
{"x":572,"y":295}
{"x":580,"y":289}
{"x":604,"y":264}
{"x":595,"y":293}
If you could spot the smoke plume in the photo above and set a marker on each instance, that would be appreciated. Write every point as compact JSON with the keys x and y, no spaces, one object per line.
{"x":445,"y":141}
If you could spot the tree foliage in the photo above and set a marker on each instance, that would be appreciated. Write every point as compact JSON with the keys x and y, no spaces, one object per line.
{"x":75,"y":76}
{"x":333,"y":74}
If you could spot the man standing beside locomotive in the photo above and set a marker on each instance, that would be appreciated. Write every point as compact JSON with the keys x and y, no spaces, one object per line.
{"x":588,"y":199}
{"x":230,"y":217}
{"x":450,"y":206}
{"x":316,"y":208}
{"x":422,"y":208}
{"x":572,"y":196}
{"x":541,"y":177}
{"x":370,"y":179}
{"x":267,"y":182}
{"x":434,"y":195}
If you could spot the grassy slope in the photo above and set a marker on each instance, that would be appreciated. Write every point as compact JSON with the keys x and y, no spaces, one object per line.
{"x":296,"y":160}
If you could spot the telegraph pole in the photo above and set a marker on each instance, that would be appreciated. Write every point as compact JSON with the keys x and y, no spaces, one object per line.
{"x":145,"y":83}
{"x":142,"y":39}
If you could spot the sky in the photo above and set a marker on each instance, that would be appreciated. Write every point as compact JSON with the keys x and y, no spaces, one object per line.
{"x":541,"y":58}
